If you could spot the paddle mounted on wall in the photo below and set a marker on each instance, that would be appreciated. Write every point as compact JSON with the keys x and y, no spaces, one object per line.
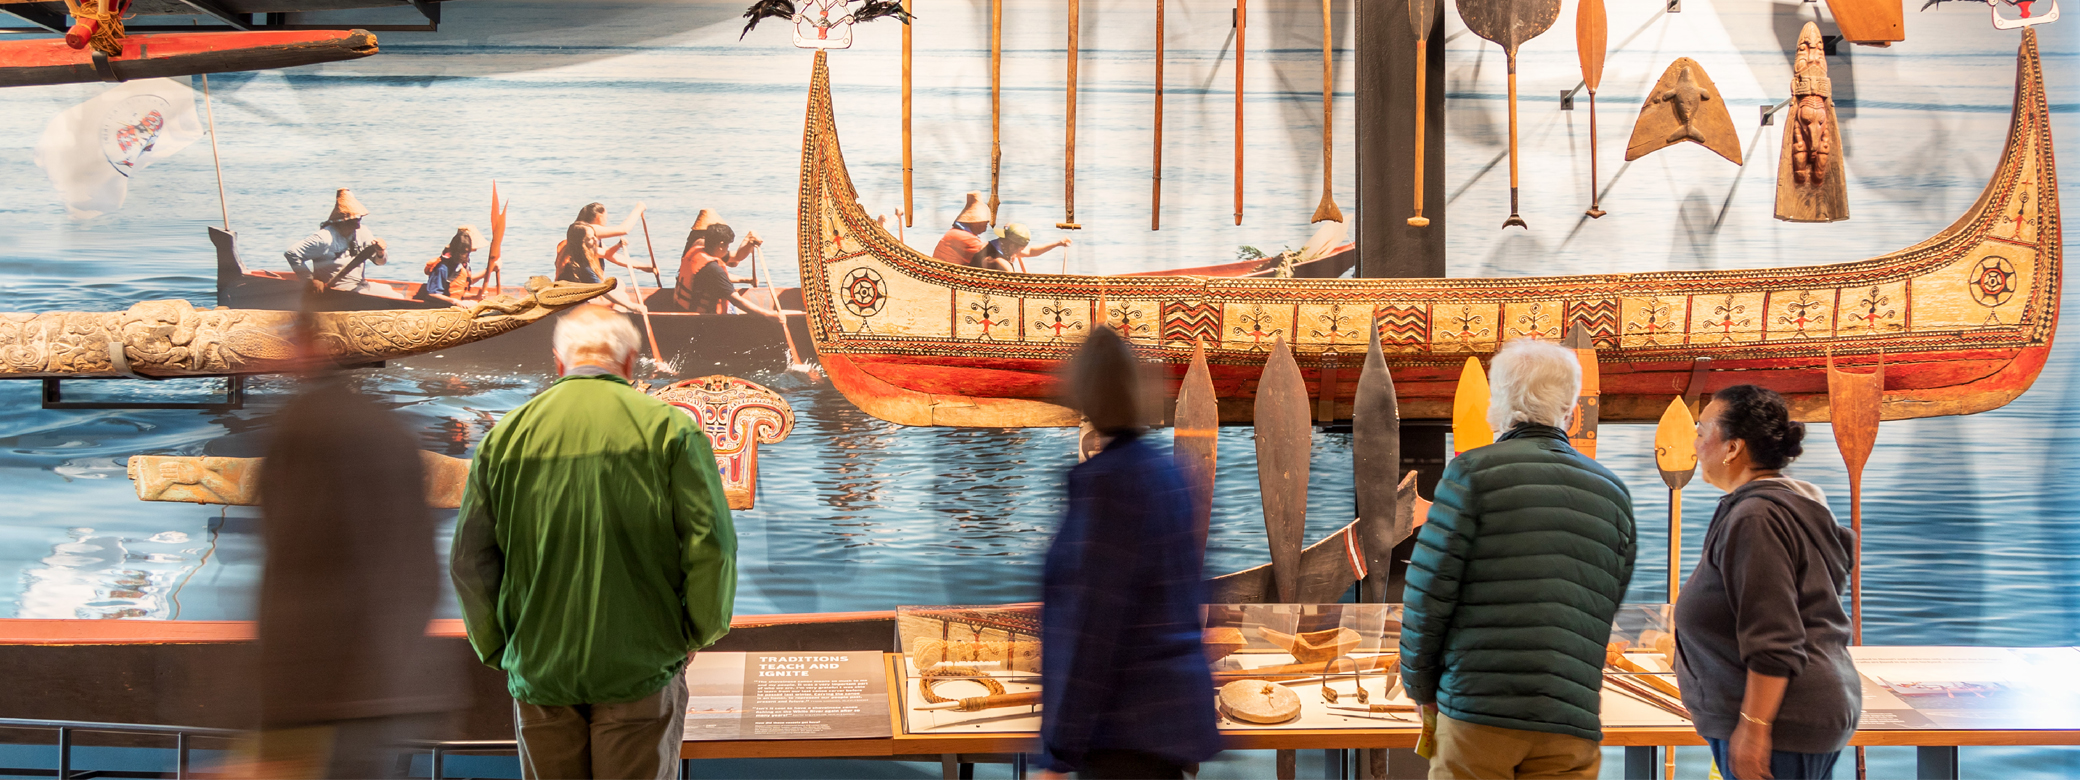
{"x":1509,"y":23}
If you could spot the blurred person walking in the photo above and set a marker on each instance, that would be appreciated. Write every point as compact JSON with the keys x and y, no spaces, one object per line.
{"x":594,"y":553}
{"x":1513,"y":584}
{"x":1762,"y":642}
{"x":1126,"y":690}
{"x":346,"y":670}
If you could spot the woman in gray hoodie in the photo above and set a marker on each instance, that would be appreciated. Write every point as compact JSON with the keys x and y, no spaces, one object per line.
{"x":1761,"y":638}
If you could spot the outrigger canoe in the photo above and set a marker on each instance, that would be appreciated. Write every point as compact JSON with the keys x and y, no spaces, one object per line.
{"x":41,"y":61}
{"x":694,"y":343}
{"x":1964,"y":320}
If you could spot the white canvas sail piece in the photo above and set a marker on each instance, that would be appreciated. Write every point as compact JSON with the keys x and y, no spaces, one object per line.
{"x":91,"y":151}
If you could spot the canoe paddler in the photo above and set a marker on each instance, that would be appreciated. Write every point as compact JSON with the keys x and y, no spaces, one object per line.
{"x":579,"y":257}
{"x":966,"y":238}
{"x":705,"y":284}
{"x":1013,"y":244}
{"x":447,"y":276}
{"x":341,"y":240}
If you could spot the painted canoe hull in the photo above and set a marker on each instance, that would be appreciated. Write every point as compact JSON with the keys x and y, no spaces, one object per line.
{"x":1964,"y":319}
{"x":44,"y":61}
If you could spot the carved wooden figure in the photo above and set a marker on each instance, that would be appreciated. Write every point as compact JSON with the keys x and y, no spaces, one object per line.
{"x":738,"y":415}
{"x":1684,"y":106}
{"x":174,"y":338}
{"x":1811,"y":183}
{"x":236,"y":481}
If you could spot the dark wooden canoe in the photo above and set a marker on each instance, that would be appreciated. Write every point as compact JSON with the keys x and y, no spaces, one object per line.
{"x":43,"y":61}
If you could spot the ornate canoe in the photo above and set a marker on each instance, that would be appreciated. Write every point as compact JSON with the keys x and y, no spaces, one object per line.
{"x":1964,"y":319}
{"x":159,"y":339}
{"x":50,"y":61}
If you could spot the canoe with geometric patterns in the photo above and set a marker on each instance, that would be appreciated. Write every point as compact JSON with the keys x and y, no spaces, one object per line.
{"x":1964,"y":320}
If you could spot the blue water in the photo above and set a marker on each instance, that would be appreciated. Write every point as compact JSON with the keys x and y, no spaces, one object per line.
{"x":1968,"y":538}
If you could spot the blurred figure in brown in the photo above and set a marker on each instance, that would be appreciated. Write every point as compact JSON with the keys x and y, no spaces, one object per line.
{"x":346,"y":670}
{"x":1125,"y":691}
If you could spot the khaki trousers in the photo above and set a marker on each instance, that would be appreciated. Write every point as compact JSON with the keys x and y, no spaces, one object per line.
{"x":636,"y":740}
{"x":1470,"y":751}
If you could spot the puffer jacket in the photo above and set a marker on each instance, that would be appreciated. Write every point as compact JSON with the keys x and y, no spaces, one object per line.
{"x":1515,"y":579}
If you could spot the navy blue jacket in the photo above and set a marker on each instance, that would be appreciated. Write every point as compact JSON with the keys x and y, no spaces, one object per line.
{"x":1122,"y":660}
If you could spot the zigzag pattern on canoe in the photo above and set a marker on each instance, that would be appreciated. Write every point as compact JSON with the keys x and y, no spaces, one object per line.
{"x":1191,"y":322}
{"x":1599,"y":318}
{"x":1402,"y":325}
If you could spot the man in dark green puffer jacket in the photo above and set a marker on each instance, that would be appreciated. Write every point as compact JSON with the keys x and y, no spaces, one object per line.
{"x":1515,"y":579}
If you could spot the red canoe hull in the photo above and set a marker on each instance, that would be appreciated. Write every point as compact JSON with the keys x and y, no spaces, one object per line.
{"x":45,"y":61}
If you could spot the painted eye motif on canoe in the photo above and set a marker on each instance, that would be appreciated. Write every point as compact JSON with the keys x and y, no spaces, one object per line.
{"x":863,"y":292}
{"x":1993,"y":282}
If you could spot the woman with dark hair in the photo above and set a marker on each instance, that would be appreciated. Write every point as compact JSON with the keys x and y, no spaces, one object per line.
{"x":1761,"y":638}
{"x":579,"y":257}
{"x":1126,"y":690}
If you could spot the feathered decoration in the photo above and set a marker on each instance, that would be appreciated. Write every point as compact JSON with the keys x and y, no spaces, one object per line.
{"x":763,"y":9}
{"x":875,"y":9}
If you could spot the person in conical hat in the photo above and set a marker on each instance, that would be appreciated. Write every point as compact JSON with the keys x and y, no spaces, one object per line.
{"x":967,"y":236}
{"x":341,"y":243}
{"x":705,"y":284}
{"x":448,"y":277}
{"x":1012,"y":245}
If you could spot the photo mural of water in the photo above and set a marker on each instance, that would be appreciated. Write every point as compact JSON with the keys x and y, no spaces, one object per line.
{"x":1970,"y":539}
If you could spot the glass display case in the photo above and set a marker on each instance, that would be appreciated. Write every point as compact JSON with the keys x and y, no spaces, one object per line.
{"x":976,"y":669}
{"x":969,"y":669}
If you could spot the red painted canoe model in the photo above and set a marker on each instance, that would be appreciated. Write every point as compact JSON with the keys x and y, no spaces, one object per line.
{"x":49,"y":61}
{"x":1964,"y":320}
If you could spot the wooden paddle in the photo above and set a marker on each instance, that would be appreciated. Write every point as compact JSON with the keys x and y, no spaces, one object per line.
{"x":909,"y":215}
{"x":1510,"y":23}
{"x":1581,"y":425}
{"x":1470,"y":409}
{"x":635,"y":289}
{"x":1675,"y":456}
{"x":1285,"y":439}
{"x":498,"y":237}
{"x":1375,"y":461}
{"x":1241,"y":35}
{"x":652,"y":249}
{"x":1590,"y":41}
{"x":795,"y":366}
{"x":1155,"y":203}
{"x":1197,"y":433}
{"x":996,"y":101}
{"x":1327,"y":211}
{"x":1855,"y":402}
{"x":1069,"y":138}
{"x":1422,"y":15}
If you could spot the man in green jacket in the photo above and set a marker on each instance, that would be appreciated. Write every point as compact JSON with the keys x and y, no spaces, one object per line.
{"x":593,"y":554}
{"x":1513,"y":584}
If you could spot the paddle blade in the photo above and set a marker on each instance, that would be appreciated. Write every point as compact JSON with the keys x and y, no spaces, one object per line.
{"x":1581,"y":425}
{"x":1675,"y":445}
{"x":1470,"y":409}
{"x":1590,"y":40}
{"x":1197,"y":432}
{"x":1855,"y":403}
{"x":1509,"y":22}
{"x":1375,"y":459}
{"x":1285,"y":441}
{"x":498,"y":223}
{"x":1422,"y":15}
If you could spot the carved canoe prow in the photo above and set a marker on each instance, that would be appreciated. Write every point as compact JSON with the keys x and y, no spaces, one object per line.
{"x":236,"y":481}
{"x":172,"y":338}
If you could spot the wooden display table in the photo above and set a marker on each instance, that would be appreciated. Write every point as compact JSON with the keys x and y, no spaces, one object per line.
{"x":1937,"y":759}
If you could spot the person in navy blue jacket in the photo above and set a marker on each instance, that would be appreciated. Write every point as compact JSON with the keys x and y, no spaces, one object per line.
{"x":1126,"y":690}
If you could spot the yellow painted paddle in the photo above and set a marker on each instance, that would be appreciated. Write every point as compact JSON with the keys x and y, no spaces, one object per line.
{"x":1675,"y":455}
{"x":1470,"y":409}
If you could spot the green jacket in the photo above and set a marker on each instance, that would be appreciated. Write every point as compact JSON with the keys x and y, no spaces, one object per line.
{"x":594,"y":548}
{"x":1513,"y":584}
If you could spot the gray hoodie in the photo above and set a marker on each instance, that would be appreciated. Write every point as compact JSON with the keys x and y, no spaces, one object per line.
{"x":1767,"y":597}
